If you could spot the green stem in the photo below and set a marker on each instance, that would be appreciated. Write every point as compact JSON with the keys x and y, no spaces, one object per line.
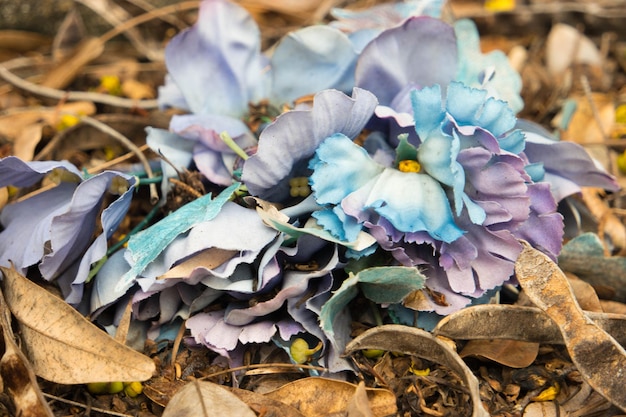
{"x":233,"y":145}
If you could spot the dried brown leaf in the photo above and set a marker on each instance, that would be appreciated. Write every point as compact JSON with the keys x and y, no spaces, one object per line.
{"x":359,"y":404}
{"x":260,"y":403}
{"x":61,"y":344}
{"x":204,"y":399}
{"x":322,"y":397}
{"x":414,"y":341}
{"x":599,"y":358}
{"x":529,"y":324}
{"x":17,"y":377}
{"x":21,"y":41}
{"x":511,"y":353}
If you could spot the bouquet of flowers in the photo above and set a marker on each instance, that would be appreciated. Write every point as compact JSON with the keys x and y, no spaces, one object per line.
{"x":378,"y":155}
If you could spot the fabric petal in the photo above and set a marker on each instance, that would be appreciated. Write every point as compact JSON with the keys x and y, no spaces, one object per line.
{"x":422,"y":51}
{"x":294,"y":136}
{"x":217,"y":64}
{"x":400,"y":197}
{"x":309,"y":60}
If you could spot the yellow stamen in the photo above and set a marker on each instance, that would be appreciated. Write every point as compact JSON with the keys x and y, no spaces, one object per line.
{"x":409,"y":165}
{"x":299,"y":187}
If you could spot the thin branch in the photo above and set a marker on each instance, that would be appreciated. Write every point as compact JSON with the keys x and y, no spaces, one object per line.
{"x":154,"y":195}
{"x":85,"y":406}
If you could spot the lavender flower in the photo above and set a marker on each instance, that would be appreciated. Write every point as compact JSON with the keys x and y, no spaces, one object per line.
{"x":53,"y":230}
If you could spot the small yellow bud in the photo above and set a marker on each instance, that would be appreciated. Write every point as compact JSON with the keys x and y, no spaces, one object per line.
{"x":419,"y":372}
{"x":133,"y":389}
{"x":105,"y":387}
{"x":67,"y":120}
{"x":409,"y":165}
{"x":299,"y":187}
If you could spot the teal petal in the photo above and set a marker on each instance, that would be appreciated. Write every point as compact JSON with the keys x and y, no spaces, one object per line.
{"x":340,"y":167}
{"x":411,"y":202}
{"x":427,"y":109}
{"x":339,"y":224}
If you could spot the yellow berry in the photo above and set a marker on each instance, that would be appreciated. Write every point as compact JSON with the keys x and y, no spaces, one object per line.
{"x":373,"y":353}
{"x":621,"y":162}
{"x":98,"y":387}
{"x":300,"y":350}
{"x":133,"y":389}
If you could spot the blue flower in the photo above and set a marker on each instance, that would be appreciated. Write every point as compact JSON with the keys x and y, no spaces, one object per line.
{"x":409,"y":201}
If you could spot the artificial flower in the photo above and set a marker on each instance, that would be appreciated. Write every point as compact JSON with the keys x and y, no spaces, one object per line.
{"x":217,"y":70}
{"x":286,"y":145}
{"x":53,"y":230}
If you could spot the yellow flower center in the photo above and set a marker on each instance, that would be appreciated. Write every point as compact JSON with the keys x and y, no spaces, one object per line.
{"x":299,"y":187}
{"x":409,"y":165}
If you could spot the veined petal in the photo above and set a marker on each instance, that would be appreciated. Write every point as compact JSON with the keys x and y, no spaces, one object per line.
{"x":19,"y":173}
{"x":428,"y":111}
{"x":422,"y":51}
{"x":217,"y":63}
{"x":411,"y":202}
{"x":309,"y":60}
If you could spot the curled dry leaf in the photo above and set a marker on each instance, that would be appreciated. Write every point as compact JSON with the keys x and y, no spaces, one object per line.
{"x":62,"y":345}
{"x":204,"y":399}
{"x":413,"y":341}
{"x":529,"y":324}
{"x":16,"y":375}
{"x":599,"y":358}
{"x":322,"y":397}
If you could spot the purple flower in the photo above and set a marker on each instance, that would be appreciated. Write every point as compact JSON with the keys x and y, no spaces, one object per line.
{"x":54,"y":230}
{"x":216,"y":69}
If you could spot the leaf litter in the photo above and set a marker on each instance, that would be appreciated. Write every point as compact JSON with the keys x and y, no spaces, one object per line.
{"x":551,"y":344}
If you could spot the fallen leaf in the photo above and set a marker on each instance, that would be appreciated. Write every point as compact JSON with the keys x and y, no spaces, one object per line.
{"x":608,"y":223}
{"x":17,"y":377}
{"x":584,"y":256}
{"x":414,"y":341}
{"x":518,"y":323}
{"x":204,"y":399}
{"x":321,"y":397}
{"x":260,"y":403}
{"x":511,"y":353}
{"x":62,"y":345}
{"x":566,"y":45}
{"x":600,"y":360}
{"x":359,"y":404}
{"x":543,"y":409}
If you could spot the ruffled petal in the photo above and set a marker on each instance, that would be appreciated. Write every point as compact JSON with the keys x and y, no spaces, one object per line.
{"x":410,"y":202}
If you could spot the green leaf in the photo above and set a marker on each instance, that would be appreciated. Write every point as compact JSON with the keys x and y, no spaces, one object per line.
{"x":385,"y":284}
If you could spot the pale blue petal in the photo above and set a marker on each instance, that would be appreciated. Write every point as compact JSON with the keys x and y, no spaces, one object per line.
{"x":411,"y":202}
{"x":506,"y":84}
{"x":428,"y":109}
{"x":338,"y":223}
{"x":340,"y":167}
{"x":217,"y":64}
{"x":310,"y":60}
